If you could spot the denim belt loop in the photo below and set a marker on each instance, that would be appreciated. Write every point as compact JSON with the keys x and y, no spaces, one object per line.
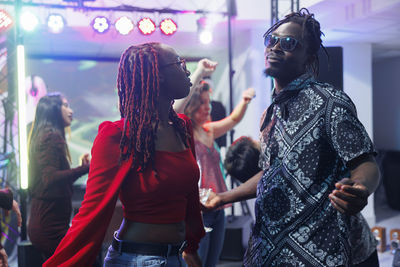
{"x":119,"y":242}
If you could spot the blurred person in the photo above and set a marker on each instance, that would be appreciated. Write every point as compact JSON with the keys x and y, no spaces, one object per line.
{"x":198,"y":109}
{"x":7,"y":203}
{"x":241,"y":159}
{"x":50,"y":174}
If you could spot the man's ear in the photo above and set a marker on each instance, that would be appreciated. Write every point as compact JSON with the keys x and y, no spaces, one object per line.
{"x":311,"y":59}
{"x":308,"y":63}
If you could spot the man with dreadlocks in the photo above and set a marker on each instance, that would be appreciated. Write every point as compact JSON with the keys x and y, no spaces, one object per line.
{"x":148,"y":159}
{"x":317,"y":162}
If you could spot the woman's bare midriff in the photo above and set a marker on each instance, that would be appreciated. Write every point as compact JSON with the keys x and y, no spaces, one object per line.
{"x":151,"y":233}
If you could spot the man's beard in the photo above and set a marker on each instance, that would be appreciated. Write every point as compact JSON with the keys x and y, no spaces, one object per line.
{"x":270,"y":73}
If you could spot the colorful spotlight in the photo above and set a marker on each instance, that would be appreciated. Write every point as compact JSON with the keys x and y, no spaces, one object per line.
{"x":146,"y":26}
{"x":168,"y":26}
{"x":5,"y":20}
{"x":29,"y":21}
{"x":56,"y":23}
{"x":101,"y":24}
{"x":124,"y":25}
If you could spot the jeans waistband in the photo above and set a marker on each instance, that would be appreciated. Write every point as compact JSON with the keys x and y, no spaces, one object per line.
{"x":146,"y":248}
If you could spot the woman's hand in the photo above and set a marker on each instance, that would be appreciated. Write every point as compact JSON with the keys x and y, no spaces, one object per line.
{"x":206,"y":67}
{"x":3,"y":257}
{"x":192,"y":259}
{"x":15,"y":208}
{"x":248,"y":94}
{"x":84,"y":159}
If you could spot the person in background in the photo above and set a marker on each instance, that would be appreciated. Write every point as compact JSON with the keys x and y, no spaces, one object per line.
{"x":317,"y":161}
{"x":50,"y":174}
{"x":147,"y":158}
{"x":208,"y":157}
{"x":7,"y":203}
{"x":241,"y":159}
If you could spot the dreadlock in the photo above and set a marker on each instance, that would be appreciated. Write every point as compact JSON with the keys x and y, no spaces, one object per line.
{"x":138,"y":85}
{"x":311,"y":32}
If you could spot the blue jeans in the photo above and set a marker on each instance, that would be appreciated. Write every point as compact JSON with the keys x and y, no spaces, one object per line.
{"x":117,"y":259}
{"x":211,"y":244}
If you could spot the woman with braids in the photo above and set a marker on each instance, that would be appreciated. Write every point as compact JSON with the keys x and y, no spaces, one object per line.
{"x":147,"y":159}
{"x":50,"y":175}
{"x":205,"y":131}
{"x":317,"y":162}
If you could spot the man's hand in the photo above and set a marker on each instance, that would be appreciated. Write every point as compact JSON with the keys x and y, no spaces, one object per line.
{"x":192,"y":259}
{"x":3,"y":257}
{"x":349,"y":197}
{"x":214,"y":201}
{"x":15,"y":208}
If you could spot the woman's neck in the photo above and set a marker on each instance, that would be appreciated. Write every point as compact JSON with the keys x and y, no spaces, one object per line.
{"x":163,"y":111}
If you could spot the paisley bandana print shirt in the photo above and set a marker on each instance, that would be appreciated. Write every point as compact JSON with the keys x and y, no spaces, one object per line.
{"x":302,"y":157}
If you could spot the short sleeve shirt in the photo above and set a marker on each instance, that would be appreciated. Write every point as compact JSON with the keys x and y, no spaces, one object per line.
{"x":302,"y":157}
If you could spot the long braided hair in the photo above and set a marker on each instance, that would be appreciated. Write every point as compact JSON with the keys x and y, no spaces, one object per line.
{"x":311,"y":32}
{"x":138,"y":87}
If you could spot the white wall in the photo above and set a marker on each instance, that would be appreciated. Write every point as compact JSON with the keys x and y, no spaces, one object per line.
{"x":386,"y":103}
{"x":357,"y":83}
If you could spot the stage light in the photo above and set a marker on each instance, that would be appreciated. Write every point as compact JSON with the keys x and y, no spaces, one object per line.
{"x":146,"y":26}
{"x":101,"y":24}
{"x":29,"y":21}
{"x":205,"y":37}
{"x":204,"y":30}
{"x":168,"y":26}
{"x":56,"y":23}
{"x":22,"y":136}
{"x":124,"y":25}
{"x":6,"y":20}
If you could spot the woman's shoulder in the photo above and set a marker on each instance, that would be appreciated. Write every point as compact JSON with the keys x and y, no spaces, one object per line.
{"x":111,"y":126}
{"x":110,"y":130}
{"x":51,"y":135}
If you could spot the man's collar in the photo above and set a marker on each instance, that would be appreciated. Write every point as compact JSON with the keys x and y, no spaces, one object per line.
{"x":299,"y":83}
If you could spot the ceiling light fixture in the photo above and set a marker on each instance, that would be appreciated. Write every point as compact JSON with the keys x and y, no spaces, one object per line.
{"x":168,"y":26}
{"x":146,"y":26}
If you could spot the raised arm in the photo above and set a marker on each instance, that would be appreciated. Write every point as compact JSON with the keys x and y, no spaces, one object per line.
{"x":222,"y":126}
{"x":205,"y":67}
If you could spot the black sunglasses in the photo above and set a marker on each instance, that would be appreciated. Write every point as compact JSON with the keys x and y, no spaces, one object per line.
{"x":181,"y":62}
{"x":287,"y":43}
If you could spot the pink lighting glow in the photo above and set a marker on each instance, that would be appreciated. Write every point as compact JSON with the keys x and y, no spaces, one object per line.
{"x":5,"y":20}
